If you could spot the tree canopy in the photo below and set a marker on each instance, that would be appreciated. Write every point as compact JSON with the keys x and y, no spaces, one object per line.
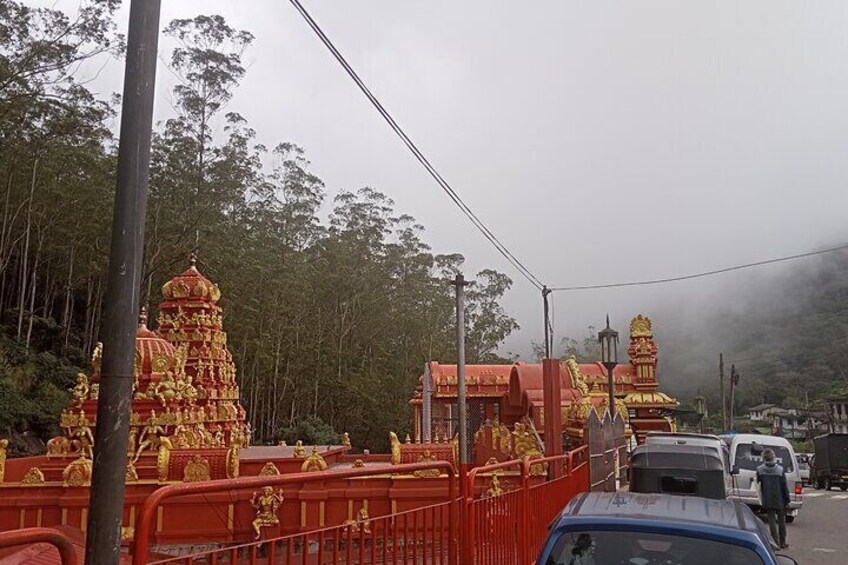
{"x":333,"y":301}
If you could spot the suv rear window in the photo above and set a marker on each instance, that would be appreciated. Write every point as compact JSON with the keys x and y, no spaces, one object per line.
{"x":598,"y":547}
{"x":745,"y":459}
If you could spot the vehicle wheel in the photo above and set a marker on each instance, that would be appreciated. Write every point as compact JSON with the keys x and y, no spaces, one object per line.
{"x":827,"y":483}
{"x":843,"y":487}
{"x":790,"y":519}
{"x":818,"y":484}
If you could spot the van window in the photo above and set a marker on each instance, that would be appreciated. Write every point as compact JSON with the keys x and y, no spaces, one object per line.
{"x":750,"y":461}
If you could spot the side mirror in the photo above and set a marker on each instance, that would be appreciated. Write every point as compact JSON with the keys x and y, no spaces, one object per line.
{"x":785,"y":560}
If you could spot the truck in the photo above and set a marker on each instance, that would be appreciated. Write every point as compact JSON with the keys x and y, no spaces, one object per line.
{"x":829,"y":467}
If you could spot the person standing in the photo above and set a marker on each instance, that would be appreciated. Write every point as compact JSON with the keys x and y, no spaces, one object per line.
{"x":774,"y":495}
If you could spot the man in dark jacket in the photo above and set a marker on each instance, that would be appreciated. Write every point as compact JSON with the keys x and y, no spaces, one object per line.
{"x":775,"y":496}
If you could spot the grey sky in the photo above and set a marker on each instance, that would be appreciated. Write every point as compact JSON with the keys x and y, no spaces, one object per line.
{"x":601,"y":141}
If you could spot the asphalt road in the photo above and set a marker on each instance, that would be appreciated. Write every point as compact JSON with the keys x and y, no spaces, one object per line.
{"x":819,"y":535}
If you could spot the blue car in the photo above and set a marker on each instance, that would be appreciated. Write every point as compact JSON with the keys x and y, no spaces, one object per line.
{"x":657,"y":529}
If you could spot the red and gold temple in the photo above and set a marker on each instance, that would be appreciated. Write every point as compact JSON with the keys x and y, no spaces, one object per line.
{"x":188,"y":425}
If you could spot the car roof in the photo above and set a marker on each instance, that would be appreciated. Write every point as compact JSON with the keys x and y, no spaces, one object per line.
{"x":761,"y":439}
{"x":674,"y":510}
{"x":664,"y":456}
{"x":682,"y":435}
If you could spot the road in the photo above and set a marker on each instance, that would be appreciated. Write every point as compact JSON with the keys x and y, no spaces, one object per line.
{"x":819,"y":535}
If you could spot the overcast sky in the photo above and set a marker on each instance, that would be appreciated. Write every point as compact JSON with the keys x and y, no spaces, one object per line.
{"x":601,"y":141}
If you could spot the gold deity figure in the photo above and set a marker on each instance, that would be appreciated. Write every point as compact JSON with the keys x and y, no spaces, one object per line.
{"x":165,"y":390}
{"x":85,"y":439}
{"x":267,"y":503}
{"x":152,"y":436}
{"x":81,"y":390}
{"x":299,"y":450}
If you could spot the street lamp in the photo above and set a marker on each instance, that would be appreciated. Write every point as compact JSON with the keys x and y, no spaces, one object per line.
{"x":608,"y":338}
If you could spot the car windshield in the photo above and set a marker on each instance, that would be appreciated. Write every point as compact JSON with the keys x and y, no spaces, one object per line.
{"x":750,"y":459}
{"x":599,"y":547}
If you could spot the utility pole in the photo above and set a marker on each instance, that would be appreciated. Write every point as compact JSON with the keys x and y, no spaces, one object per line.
{"x":548,"y":338}
{"x":734,"y":380}
{"x":106,"y":503}
{"x":721,"y":396}
{"x":460,"y":283}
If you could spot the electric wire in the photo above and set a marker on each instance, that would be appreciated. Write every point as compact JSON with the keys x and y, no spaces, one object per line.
{"x":446,"y":187}
{"x":699,"y":275}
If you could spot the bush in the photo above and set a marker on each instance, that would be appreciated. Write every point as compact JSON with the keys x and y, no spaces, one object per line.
{"x":311,"y":430}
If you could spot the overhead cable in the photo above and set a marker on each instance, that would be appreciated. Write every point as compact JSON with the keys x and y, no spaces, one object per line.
{"x":699,"y":275}
{"x":478,"y":223}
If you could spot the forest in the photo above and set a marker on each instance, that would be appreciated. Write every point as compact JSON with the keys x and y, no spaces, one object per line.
{"x":333,"y":300}
{"x":786,"y":332}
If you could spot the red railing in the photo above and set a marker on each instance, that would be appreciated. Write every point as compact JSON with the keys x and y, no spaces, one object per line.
{"x":416,"y":536}
{"x":499,"y":526}
{"x":510,"y":527}
{"x":29,"y":536}
{"x":427,"y":533}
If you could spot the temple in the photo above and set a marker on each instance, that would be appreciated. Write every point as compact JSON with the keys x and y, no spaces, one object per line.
{"x":187,"y":425}
{"x":506,"y":396}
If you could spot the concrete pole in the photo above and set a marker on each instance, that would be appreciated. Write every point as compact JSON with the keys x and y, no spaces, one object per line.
{"x":106,"y":503}
{"x":721,"y":396}
{"x":427,"y":416}
{"x":460,"y":284}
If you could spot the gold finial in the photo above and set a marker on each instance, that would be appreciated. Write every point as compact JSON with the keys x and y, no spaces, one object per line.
{"x":142,"y":317}
{"x":192,"y":259}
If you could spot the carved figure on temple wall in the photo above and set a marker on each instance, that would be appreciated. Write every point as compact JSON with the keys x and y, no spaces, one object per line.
{"x":85,"y":439}
{"x":80,"y":391}
{"x":164,"y":390}
{"x":152,"y":436}
{"x":267,"y":503}
{"x":299,"y":450}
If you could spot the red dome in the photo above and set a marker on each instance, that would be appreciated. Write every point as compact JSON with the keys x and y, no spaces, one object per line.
{"x":153,"y":355}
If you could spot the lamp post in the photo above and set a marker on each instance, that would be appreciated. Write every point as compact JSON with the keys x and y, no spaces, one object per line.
{"x":608,"y":338}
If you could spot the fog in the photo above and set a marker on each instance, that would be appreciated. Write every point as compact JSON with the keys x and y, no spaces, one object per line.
{"x":600,"y":141}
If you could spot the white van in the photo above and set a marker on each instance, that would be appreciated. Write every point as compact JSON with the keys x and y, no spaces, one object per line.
{"x":746,"y":454}
{"x":699,"y":440}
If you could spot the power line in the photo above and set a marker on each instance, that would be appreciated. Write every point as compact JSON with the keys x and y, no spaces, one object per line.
{"x":478,"y":223}
{"x":699,"y":275}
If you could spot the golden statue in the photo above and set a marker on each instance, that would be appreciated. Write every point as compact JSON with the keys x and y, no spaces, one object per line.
{"x":576,"y":376}
{"x":96,"y":359}
{"x":495,"y":489}
{"x":314,"y":462}
{"x":267,"y":503}
{"x":81,"y":390}
{"x":4,"y":443}
{"x":85,"y":439}
{"x":395,"y":443}
{"x":299,"y":450}
{"x":361,"y":523}
{"x":346,"y":439}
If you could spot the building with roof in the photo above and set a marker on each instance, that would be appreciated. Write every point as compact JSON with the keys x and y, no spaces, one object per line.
{"x":506,"y":396}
